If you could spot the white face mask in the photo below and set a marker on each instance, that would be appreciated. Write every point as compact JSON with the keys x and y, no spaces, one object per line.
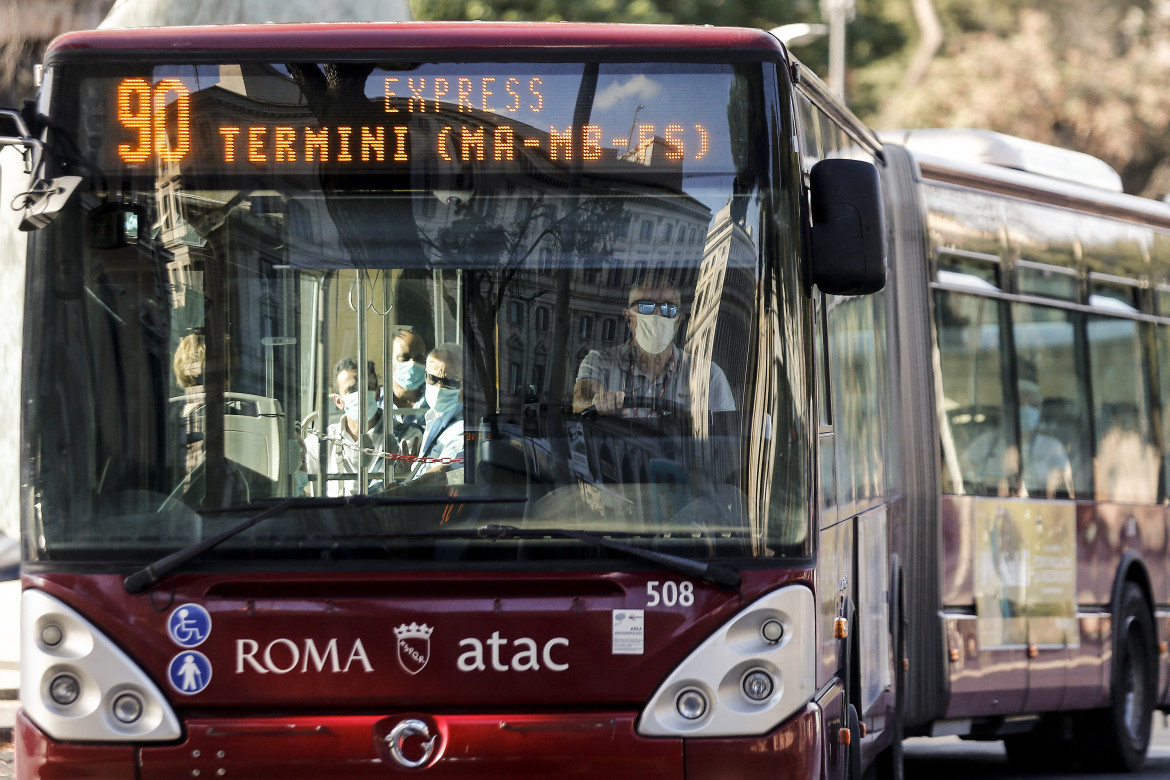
{"x":653,"y":333}
{"x":353,"y":399}
{"x":442,"y":399}
{"x":409,"y":374}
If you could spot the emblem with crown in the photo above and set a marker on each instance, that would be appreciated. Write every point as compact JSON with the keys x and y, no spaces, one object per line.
{"x":414,"y":646}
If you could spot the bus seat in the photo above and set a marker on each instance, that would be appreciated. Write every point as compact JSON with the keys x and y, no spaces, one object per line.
{"x":501,"y":462}
{"x":254,"y":431}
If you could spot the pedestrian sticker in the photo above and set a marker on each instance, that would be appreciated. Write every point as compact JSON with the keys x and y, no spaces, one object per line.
{"x":189,"y":672}
{"x":629,"y":631}
{"x":189,"y":625}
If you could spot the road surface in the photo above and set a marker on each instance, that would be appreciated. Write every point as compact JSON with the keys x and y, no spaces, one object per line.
{"x":954,"y":759}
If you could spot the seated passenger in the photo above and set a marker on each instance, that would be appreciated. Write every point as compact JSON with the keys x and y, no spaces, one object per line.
{"x":345,"y":451}
{"x":1043,"y":461}
{"x":443,"y":437}
{"x":649,"y":366}
{"x":408,"y":401}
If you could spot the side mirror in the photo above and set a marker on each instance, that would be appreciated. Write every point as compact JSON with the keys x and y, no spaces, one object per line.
{"x":14,"y":132}
{"x":45,"y":197}
{"x":848,"y":238}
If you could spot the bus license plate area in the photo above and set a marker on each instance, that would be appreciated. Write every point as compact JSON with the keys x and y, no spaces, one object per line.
{"x":603,"y":745}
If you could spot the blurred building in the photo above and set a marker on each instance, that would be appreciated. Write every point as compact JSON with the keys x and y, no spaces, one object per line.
{"x":27,"y":27}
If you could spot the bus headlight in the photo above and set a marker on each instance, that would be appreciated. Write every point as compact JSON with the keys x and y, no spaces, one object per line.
{"x":76,"y":684}
{"x":758,"y":685}
{"x":127,"y":708}
{"x":64,"y":689}
{"x":754,"y":672}
{"x":691,"y":704}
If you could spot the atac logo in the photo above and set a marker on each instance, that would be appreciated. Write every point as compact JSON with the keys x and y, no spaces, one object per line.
{"x":414,"y":646}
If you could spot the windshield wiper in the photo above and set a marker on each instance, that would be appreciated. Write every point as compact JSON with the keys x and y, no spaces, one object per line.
{"x":144,"y":578}
{"x":723,"y":576}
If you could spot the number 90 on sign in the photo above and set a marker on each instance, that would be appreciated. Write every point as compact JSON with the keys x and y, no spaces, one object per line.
{"x":143,"y":109}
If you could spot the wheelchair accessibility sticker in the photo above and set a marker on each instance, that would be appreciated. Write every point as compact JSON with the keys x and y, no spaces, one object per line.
{"x":189,"y":672}
{"x":189,"y":625}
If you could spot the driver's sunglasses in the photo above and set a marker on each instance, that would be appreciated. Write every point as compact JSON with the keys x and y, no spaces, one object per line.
{"x":665,"y":308}
{"x":442,"y":381}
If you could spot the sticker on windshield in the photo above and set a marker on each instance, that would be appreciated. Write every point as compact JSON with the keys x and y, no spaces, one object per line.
{"x":189,"y":672}
{"x":189,"y":625}
{"x":629,"y":631}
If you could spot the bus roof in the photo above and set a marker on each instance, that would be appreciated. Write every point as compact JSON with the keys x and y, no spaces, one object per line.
{"x":416,"y":36}
{"x":1005,"y":151}
{"x":994,"y":176}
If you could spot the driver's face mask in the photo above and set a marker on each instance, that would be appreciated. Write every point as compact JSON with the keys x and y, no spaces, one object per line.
{"x":654,"y":334}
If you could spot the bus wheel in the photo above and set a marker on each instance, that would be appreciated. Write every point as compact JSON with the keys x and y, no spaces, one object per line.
{"x":853,"y":767}
{"x":1122,"y":732}
{"x":889,"y":764}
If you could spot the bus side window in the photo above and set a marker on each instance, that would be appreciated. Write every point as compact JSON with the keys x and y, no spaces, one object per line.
{"x":978,"y":432}
{"x":1127,"y":463}
{"x":1055,"y":453}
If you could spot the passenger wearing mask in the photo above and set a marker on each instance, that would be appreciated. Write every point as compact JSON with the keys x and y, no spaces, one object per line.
{"x":649,"y":366}
{"x":1042,"y":460}
{"x":443,"y":437}
{"x":346,"y":449}
{"x":408,"y":401}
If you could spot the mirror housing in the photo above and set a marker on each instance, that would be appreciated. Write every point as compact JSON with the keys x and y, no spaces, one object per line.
{"x":848,"y":236}
{"x":14,"y":132}
{"x":45,"y":197}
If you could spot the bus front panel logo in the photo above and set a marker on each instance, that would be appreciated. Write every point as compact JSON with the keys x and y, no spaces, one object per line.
{"x":189,"y":625}
{"x":414,"y":646}
{"x":189,"y":672}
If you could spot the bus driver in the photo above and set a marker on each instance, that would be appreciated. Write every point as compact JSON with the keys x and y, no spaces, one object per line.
{"x":649,"y":366}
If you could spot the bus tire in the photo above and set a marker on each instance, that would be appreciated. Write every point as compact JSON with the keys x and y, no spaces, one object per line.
{"x":890,"y":763}
{"x":853,"y":763}
{"x":1121,"y":733}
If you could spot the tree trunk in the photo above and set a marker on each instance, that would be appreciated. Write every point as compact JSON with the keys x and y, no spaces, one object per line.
{"x":932,"y":39}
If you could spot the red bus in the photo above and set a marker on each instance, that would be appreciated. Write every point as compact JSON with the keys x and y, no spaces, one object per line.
{"x":645,"y":479}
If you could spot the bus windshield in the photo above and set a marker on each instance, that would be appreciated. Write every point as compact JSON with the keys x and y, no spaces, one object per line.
{"x":521,"y":294}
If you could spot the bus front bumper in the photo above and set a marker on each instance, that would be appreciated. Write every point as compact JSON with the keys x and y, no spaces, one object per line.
{"x":599,"y":746}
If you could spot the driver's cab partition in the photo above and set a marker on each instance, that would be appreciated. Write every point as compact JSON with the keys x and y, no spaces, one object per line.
{"x":254,"y":431}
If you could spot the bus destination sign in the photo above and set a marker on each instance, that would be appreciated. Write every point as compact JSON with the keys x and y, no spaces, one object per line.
{"x":455,"y":119}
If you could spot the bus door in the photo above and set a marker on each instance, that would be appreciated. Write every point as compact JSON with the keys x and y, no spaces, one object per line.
{"x":1014,"y":406}
{"x":831,"y":568}
{"x":1049,"y":411}
{"x":856,"y":350}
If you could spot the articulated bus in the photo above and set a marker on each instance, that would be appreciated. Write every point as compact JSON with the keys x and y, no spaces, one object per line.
{"x":1033,"y":321}
{"x":664,"y":466}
